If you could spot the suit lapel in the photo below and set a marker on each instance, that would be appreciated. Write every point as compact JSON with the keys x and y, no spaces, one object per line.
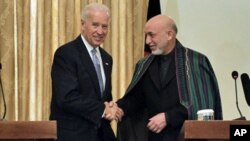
{"x":87,"y":62}
{"x":107,"y":68}
{"x":153,"y":69}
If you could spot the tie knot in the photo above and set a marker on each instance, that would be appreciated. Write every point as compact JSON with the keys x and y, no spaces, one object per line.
{"x":93,"y":51}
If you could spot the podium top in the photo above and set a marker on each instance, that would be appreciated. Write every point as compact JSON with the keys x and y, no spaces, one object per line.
{"x":28,"y":130}
{"x":208,"y":130}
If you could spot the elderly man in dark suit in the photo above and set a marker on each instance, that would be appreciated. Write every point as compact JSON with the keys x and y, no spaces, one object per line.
{"x":81,"y":81}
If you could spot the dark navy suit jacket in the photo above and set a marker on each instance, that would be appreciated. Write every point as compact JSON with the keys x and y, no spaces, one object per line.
{"x":77,"y":104}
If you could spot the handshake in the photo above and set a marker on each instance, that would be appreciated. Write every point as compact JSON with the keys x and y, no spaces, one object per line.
{"x":155,"y":124}
{"x":112,"y":111}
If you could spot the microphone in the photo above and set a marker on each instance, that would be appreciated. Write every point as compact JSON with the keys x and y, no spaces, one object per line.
{"x":235,"y":76}
{"x":1,"y":86}
{"x":246,"y":86}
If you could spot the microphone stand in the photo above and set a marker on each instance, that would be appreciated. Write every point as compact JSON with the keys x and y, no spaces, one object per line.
{"x":237,"y":105}
{"x":1,"y":86}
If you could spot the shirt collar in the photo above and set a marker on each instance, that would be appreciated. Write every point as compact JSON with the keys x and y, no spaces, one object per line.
{"x":88,"y":46}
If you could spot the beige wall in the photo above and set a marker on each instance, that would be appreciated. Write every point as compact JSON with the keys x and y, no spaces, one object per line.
{"x":220,"y":29}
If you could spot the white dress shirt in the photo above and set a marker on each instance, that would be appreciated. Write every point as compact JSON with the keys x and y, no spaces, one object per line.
{"x":89,"y":48}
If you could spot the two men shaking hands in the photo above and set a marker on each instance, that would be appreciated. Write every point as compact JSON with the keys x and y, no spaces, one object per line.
{"x":113,"y":111}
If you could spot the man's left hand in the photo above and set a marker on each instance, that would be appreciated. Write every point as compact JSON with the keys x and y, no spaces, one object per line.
{"x":157,"y":123}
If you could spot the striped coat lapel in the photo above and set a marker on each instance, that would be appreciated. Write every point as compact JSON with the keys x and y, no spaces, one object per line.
{"x":140,"y":69}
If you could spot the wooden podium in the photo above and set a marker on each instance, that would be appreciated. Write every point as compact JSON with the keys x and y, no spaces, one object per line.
{"x":28,"y":130}
{"x":215,"y":130}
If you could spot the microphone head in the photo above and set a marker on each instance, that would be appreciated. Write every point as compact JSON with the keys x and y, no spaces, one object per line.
{"x":235,"y":74}
{"x":246,"y":86}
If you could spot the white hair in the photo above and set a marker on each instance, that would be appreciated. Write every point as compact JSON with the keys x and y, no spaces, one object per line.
{"x":95,"y":7}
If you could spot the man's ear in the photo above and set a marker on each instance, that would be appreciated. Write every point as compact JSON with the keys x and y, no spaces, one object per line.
{"x":82,"y":22}
{"x":170,"y":34}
